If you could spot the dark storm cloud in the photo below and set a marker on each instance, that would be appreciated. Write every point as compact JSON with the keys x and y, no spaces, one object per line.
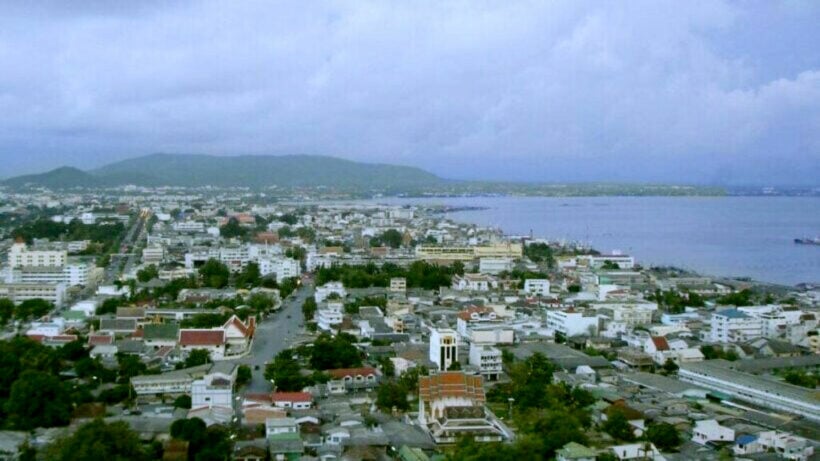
{"x":562,"y":90}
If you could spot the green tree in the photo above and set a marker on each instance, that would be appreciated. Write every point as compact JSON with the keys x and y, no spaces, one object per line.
{"x":250,"y":276}
{"x":260,"y":302}
{"x":664,"y":435}
{"x":38,"y":399}
{"x":391,"y":237}
{"x":670,"y":367}
{"x":618,"y":426}
{"x":147,"y":274}
{"x":129,"y":366}
{"x":33,"y":309}
{"x":98,"y":440}
{"x":6,"y":311}
{"x":331,"y":352}
{"x":110,"y":305}
{"x":214,"y":274}
{"x":286,"y":373}
{"x":232,"y":229}
{"x":243,"y":375}
{"x":183,"y":401}
{"x":309,"y":308}
{"x":391,"y":395}
{"x":197,"y":357}
{"x":540,"y":253}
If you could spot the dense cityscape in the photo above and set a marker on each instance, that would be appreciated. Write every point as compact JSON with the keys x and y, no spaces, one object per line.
{"x":158,"y":323}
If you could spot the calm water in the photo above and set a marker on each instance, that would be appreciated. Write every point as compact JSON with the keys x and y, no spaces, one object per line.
{"x":729,"y":236}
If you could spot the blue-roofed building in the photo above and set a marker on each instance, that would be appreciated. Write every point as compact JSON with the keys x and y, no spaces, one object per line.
{"x":746,"y":445}
{"x":733,"y":326}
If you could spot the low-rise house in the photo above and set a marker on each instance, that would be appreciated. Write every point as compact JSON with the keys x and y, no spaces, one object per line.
{"x":351,"y":379}
{"x":295,"y":400}
{"x":158,"y":335}
{"x":238,"y":335}
{"x":710,"y":430}
{"x":118,"y":326}
{"x":172,"y":382}
{"x":574,"y":451}
{"x":212,"y":341}
{"x":641,"y":451}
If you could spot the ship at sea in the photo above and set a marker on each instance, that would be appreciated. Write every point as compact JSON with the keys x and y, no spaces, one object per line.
{"x":808,"y":241}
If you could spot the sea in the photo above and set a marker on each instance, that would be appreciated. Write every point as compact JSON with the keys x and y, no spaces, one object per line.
{"x":721,"y":236}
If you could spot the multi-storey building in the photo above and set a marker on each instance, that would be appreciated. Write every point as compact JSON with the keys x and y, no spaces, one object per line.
{"x":732,"y":326}
{"x":487,"y":359}
{"x":443,"y":347}
{"x":21,"y":256}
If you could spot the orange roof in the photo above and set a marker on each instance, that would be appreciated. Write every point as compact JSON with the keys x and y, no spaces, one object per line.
{"x":451,"y":384}
{"x":466,"y":314}
{"x":292,"y":397}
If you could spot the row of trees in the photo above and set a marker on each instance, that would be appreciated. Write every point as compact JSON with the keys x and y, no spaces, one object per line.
{"x":420,"y":274}
{"x":327,"y":352}
{"x":106,"y":234}
{"x":26,"y":310}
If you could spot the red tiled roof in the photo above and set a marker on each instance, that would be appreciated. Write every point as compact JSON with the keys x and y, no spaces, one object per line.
{"x":96,"y":340}
{"x":246,"y":330}
{"x":340,"y":373}
{"x":201,"y":337}
{"x":466,"y":314}
{"x":451,"y":384}
{"x":660,"y":343}
{"x":38,"y":338}
{"x":292,"y":397}
{"x":259,"y":397}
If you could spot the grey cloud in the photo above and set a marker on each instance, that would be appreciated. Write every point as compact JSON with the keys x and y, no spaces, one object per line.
{"x":527,"y":90}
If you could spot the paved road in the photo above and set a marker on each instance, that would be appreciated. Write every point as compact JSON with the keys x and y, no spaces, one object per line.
{"x":132,"y":236}
{"x":274,"y":334}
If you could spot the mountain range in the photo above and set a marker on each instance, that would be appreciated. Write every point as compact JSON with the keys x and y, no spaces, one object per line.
{"x":254,"y":171}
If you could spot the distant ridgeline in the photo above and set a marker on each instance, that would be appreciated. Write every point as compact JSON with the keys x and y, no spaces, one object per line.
{"x":313,"y":172}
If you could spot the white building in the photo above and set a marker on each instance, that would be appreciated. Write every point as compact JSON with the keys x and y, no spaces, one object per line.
{"x":537,"y":287}
{"x":717,"y":375}
{"x":398,"y":285}
{"x":283,"y":268}
{"x":189,"y":226}
{"x":473,"y":282}
{"x":20,"y":256}
{"x":572,"y":323}
{"x":54,"y":293}
{"x":215,"y":389}
{"x":76,"y":274}
{"x":153,"y":254}
{"x":327,"y":289}
{"x":482,"y":325}
{"x":710,"y":430}
{"x":487,"y":359}
{"x":443,"y":347}
{"x":329,"y":316}
{"x":732,"y":326}
{"x":616,"y":258}
{"x":495,"y":266}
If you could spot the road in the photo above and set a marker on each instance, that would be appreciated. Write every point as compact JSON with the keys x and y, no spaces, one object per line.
{"x":133,"y":235}
{"x":273,"y":335}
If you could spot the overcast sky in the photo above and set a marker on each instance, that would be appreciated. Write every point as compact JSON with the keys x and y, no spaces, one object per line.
{"x":674,"y":91}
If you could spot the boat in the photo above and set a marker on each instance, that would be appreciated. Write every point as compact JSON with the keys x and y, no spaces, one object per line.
{"x":808,"y":241}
